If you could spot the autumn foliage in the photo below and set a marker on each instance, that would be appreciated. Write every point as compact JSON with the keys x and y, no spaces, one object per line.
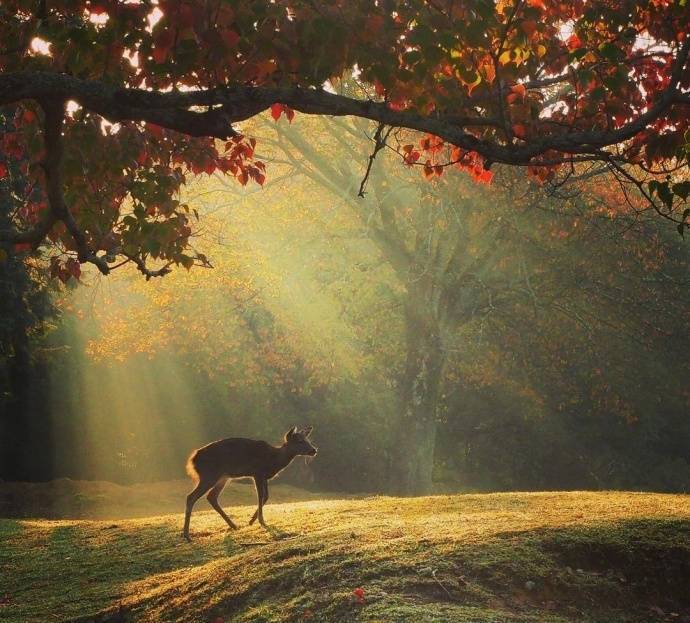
{"x":136,"y":96}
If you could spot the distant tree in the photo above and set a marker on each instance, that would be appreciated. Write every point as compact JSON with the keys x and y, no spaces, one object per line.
{"x":468,"y":257}
{"x":543,"y":84}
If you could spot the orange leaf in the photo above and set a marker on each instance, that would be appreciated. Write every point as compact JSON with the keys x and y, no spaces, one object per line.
{"x":487,"y":70}
{"x":520,"y":90}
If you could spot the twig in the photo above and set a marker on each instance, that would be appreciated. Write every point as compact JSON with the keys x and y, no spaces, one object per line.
{"x":379,"y":143}
{"x":447,"y":592}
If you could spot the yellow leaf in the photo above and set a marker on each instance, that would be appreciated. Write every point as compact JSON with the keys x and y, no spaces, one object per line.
{"x":504,"y":59}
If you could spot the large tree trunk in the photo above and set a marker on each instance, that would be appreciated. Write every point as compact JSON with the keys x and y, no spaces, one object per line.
{"x":413,"y":453}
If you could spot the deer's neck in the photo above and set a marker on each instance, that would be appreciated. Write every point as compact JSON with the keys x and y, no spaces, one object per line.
{"x":284,"y":457}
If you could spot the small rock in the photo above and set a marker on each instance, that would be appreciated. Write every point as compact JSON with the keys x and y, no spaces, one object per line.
{"x":580,"y":571}
{"x":529,"y":585}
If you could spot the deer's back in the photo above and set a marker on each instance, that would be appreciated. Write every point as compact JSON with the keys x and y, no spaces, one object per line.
{"x":234,"y":457}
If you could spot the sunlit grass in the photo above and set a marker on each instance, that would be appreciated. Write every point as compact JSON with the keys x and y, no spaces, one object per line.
{"x":551,"y":557}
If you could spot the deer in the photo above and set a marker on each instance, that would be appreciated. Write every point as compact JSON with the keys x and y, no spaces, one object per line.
{"x":214,"y":464}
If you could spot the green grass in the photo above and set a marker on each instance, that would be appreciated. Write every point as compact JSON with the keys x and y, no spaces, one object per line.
{"x":517,"y":557}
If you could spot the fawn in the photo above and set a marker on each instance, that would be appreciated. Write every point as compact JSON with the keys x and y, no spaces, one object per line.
{"x":214,"y":464}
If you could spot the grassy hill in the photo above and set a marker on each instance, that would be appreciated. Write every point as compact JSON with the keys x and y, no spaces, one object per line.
{"x":514,"y":557}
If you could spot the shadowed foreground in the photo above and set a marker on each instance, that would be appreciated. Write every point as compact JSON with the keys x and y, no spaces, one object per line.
{"x":550,"y":557}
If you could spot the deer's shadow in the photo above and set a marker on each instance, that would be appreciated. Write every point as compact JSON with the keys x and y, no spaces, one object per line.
{"x":236,"y":541}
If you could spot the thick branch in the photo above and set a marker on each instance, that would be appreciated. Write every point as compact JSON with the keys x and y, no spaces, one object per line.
{"x":175,"y":110}
{"x":54,"y":116}
{"x":33,"y":236}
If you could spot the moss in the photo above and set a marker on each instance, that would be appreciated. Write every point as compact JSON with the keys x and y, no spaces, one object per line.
{"x":547,"y":557}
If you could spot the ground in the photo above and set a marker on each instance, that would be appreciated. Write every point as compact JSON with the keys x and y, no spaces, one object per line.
{"x":481,"y":558}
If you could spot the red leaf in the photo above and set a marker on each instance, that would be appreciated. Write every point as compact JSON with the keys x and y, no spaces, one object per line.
{"x":485,"y":177}
{"x":28,"y":116}
{"x":74,"y":268}
{"x":3,"y":170}
{"x":537,"y":4}
{"x":359,"y":595}
{"x":97,"y":8}
{"x":276,"y":111}
{"x":163,"y":43}
{"x":573,"y":42}
{"x":22,"y":246}
{"x":529,"y":27}
{"x":519,"y":130}
{"x":289,"y":113}
{"x":186,"y":15}
{"x":154,"y":129}
{"x":230,"y":37}
{"x":519,"y":90}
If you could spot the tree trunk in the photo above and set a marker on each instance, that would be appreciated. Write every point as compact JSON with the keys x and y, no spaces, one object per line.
{"x":413,"y":453}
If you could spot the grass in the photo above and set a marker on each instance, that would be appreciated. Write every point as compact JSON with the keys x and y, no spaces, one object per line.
{"x":490,"y":558}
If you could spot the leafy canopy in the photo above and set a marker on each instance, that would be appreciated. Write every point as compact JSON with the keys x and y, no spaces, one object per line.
{"x":115,"y":104}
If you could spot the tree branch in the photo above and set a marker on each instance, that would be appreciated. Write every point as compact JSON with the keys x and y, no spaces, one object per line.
{"x":147,"y":272}
{"x":379,"y":144}
{"x":175,"y":110}
{"x":54,"y":116}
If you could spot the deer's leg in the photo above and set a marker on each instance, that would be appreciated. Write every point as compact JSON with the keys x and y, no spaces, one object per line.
{"x":203,"y":486}
{"x":212,"y":497}
{"x":265,"y":499}
{"x":259,"y":483}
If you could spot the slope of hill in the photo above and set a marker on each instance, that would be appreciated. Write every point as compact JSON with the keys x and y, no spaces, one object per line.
{"x":514,"y":557}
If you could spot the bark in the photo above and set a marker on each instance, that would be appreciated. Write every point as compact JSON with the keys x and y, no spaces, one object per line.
{"x":413,"y":458}
{"x":174,"y":110}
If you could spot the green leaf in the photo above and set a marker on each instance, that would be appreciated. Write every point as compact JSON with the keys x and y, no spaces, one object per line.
{"x":682,"y":189}
{"x":610,"y":52}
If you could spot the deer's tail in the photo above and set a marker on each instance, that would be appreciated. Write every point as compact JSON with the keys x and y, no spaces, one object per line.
{"x":191,"y":467}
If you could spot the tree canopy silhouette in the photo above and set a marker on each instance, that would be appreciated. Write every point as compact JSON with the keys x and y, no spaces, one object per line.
{"x":116,"y":103}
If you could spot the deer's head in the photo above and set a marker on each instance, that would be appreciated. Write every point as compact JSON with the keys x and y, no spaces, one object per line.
{"x":297,"y":441}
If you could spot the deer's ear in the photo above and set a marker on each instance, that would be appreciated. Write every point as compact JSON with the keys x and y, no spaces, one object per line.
{"x":291,"y":432}
{"x":307,"y":431}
